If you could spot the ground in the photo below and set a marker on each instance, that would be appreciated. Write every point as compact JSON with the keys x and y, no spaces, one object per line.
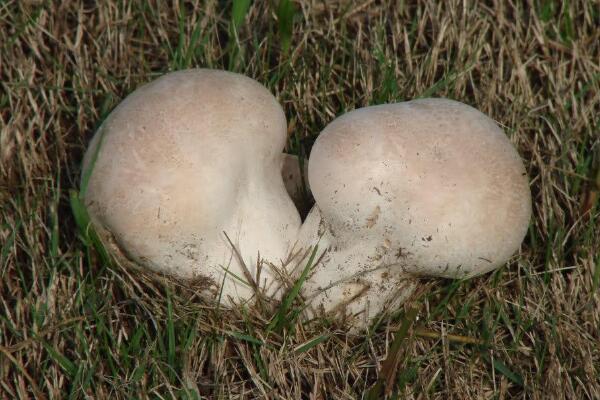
{"x":73,"y":324}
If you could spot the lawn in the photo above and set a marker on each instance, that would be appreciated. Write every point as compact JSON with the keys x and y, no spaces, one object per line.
{"x":76,"y":324}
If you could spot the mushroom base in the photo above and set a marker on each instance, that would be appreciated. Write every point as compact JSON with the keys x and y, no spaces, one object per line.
{"x":353,"y":282}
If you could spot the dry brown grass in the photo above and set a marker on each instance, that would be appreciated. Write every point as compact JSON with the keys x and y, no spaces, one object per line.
{"x":71,"y":326}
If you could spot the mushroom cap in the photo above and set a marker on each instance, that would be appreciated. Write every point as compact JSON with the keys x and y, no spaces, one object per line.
{"x":433,"y":184}
{"x":183,"y":159}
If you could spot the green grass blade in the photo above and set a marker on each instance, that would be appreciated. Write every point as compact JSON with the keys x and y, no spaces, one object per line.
{"x":54,"y":232}
{"x":85,"y":177}
{"x":8,"y":244}
{"x":60,"y":359}
{"x":238,"y":12}
{"x":280,"y":318}
{"x":234,"y":276}
{"x":170,"y":334}
{"x":446,"y":82}
{"x":596,"y":277}
{"x":192,"y":46}
{"x":138,"y":372}
{"x":83,"y":221}
{"x":245,"y":337}
{"x":311,"y":343}
{"x":285,"y":17}
{"x":504,"y":370}
{"x":389,"y":367}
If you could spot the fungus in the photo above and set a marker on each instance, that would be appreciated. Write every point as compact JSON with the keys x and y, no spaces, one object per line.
{"x":188,"y":163}
{"x":295,"y":178}
{"x":429,"y":187}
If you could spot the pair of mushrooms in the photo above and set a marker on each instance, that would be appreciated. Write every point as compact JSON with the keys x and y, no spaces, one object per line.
{"x":187,"y":181}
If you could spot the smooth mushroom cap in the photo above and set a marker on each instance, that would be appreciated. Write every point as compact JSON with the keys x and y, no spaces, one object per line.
{"x":432,"y":187}
{"x":185,"y":158}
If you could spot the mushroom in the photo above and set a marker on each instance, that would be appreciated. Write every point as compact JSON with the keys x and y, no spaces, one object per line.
{"x":187,"y":181}
{"x":429,"y":187}
{"x":294,"y":171}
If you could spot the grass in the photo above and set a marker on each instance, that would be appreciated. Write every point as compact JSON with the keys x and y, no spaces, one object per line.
{"x":75,"y":325}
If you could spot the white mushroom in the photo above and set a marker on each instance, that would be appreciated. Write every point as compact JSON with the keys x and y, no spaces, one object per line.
{"x":295,"y":177}
{"x":429,"y":187}
{"x":184,"y":159}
